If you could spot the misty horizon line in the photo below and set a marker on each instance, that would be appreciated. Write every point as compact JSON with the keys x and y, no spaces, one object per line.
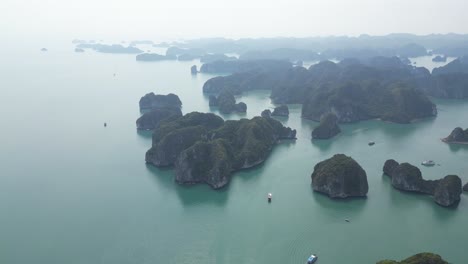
{"x":166,"y":39}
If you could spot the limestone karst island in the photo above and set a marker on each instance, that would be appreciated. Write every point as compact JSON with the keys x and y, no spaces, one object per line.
{"x":234,"y":132}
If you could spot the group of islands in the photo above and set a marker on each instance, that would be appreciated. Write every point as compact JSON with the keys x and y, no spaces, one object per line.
{"x":379,"y":84}
{"x":203,"y":148}
{"x":345,"y":84}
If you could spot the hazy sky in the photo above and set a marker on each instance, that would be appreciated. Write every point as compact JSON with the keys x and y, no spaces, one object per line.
{"x":156,"y":19}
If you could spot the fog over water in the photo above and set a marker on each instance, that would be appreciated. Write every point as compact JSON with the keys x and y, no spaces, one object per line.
{"x":119,"y":19}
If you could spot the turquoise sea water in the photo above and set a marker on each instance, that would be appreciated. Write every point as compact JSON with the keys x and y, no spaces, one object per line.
{"x":72,"y":191}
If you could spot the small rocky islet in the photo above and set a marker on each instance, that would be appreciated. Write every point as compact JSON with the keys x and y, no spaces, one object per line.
{"x":327,"y":128}
{"x":457,"y":136}
{"x":226,"y":103}
{"x":420,"y":258}
{"x":406,"y":177}
{"x":340,"y":177}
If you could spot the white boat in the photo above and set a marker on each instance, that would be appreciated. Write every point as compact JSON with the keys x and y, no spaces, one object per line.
{"x":269,"y":197}
{"x":428,"y":163}
{"x":312,"y":259}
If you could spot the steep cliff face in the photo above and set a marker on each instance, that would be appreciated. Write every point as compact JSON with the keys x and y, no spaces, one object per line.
{"x":193,"y":70}
{"x":390,"y":166}
{"x":448,"y":191}
{"x":340,"y":177}
{"x":266,"y":113}
{"x":227,"y":102}
{"x":352,"y":102}
{"x":407,"y":177}
{"x":166,"y":150}
{"x":205,"y":149}
{"x":281,"y":110}
{"x":451,"y":80}
{"x":173,"y":136}
{"x":328,"y":127}
{"x":205,"y":162}
{"x":153,"y":101}
{"x":458,"y":135}
{"x":149,"y":120}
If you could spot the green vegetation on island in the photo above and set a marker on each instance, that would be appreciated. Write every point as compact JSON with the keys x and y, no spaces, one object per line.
{"x":458,"y":135}
{"x":340,"y":177}
{"x":205,"y":149}
{"x":421,"y":258}
{"x":406,"y":177}
{"x":327,"y":128}
{"x":226,"y":102}
{"x":354,"y":90}
{"x":152,"y":101}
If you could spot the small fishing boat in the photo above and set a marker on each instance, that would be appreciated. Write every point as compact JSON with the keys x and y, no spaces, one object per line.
{"x":312,"y":259}
{"x":428,"y":163}
{"x":269,"y":197}
{"x":371,"y":143}
{"x":347,"y":220}
{"x":105,"y":124}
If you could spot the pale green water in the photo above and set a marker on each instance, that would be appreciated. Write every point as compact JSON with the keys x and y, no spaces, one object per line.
{"x":72,"y":191}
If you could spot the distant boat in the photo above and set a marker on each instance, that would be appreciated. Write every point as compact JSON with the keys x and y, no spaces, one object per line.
{"x":371,"y":143}
{"x":428,"y":163}
{"x":312,"y":259}
{"x":347,"y":220}
{"x":269,"y":197}
{"x":105,"y":124}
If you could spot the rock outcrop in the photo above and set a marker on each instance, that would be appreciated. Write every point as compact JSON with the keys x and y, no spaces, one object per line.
{"x":448,"y":191}
{"x":266,"y":113}
{"x":227,"y":103}
{"x":241,"y":107}
{"x":153,"y":101}
{"x":327,"y":128}
{"x":205,"y":149}
{"x":390,"y":166}
{"x":458,"y":135}
{"x":205,"y":162}
{"x":281,"y":110}
{"x":193,"y":70}
{"x":149,"y":120}
{"x":421,"y":258}
{"x":340,"y":177}
{"x":173,"y":136}
{"x":465,"y":187}
{"x":407,"y":177}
